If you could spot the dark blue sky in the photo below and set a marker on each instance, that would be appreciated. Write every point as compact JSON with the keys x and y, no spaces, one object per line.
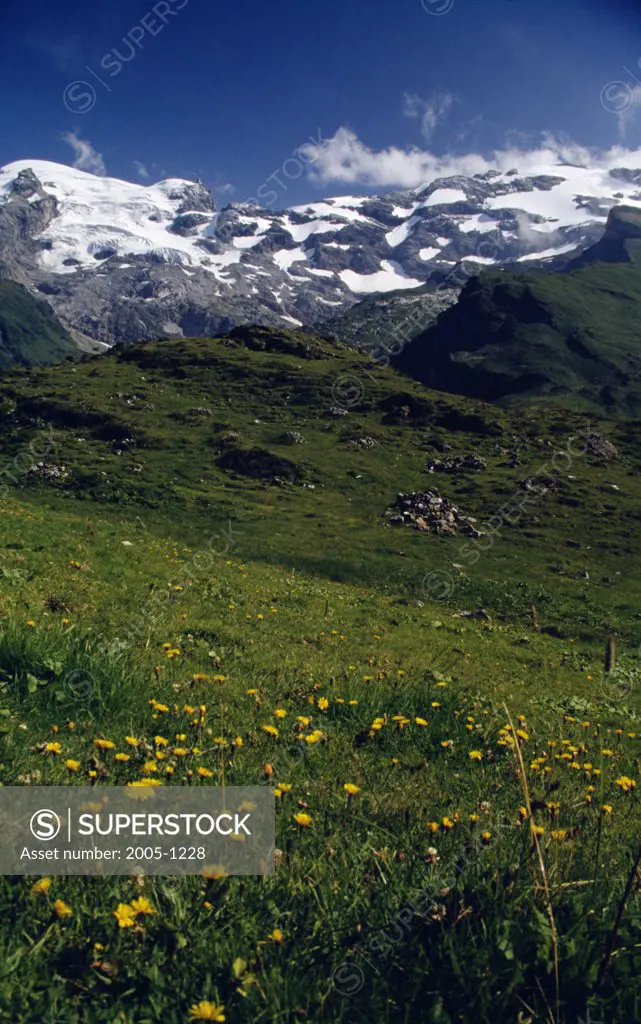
{"x":227,"y":91}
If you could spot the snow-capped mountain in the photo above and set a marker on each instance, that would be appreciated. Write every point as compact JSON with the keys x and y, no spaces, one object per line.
{"x":122,"y":261}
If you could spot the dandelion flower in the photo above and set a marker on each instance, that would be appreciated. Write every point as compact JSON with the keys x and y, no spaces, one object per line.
{"x":214,"y":871}
{"x":302,"y":819}
{"x":42,"y":886}
{"x":625,"y":783}
{"x":476,"y":755}
{"x":125,"y":915}
{"x":142,"y":906}
{"x":73,"y":766}
{"x":62,"y":909}
{"x":351,"y":789}
{"x":206,"y":1011}
{"x":271,"y":730}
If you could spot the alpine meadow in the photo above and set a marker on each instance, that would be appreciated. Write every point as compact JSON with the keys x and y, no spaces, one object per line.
{"x":329,"y":497}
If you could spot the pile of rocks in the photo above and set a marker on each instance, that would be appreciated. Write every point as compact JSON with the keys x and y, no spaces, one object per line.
{"x":428,"y":510}
{"x":460,"y":462}
{"x":292,"y":437}
{"x":49,"y":472}
{"x":361,"y":442}
{"x":603,"y":449}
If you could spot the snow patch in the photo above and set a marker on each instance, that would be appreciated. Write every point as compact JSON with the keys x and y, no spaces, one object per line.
{"x":445,"y":196}
{"x":548,"y":253}
{"x":389,"y":278}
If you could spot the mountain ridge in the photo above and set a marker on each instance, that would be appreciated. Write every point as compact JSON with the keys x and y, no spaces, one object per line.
{"x":563,"y":338}
{"x":126,"y":262}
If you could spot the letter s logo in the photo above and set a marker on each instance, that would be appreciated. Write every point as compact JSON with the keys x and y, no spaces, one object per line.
{"x":45,"y":825}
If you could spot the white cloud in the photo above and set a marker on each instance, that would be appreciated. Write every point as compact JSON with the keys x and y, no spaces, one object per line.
{"x":344,"y":158}
{"x":141,"y":170}
{"x":430,"y":111}
{"x":86,"y":157}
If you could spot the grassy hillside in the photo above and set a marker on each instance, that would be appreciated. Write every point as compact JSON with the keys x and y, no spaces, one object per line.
{"x":193,"y":548}
{"x":570,"y":339}
{"x":30,"y":333}
{"x":201,"y":430}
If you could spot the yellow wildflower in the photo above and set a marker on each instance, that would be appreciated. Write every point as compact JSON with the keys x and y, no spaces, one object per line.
{"x":125,"y":915}
{"x":206,"y":1011}
{"x":42,"y":886}
{"x":142,"y":906}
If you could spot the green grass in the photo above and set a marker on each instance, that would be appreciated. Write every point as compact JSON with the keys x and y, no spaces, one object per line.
{"x":307,"y":602}
{"x":565,"y":339}
{"x":30,"y":333}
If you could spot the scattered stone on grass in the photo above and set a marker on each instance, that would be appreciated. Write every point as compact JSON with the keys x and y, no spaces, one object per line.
{"x":429,"y":511}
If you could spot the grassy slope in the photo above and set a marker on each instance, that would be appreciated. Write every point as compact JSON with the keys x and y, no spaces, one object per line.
{"x":30,"y":334}
{"x":144,"y":410}
{"x":571,"y":339}
{"x":310,"y":599}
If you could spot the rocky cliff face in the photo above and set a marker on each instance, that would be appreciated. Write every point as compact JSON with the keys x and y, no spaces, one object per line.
{"x":623,"y":226}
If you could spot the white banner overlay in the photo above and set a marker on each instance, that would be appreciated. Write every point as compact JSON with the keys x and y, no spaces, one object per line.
{"x":147,"y":830}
